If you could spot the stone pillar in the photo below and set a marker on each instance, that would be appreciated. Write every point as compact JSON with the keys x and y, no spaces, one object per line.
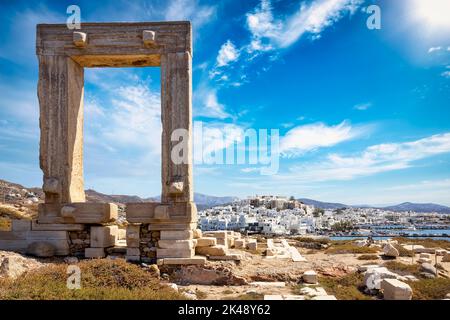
{"x":176,"y":105}
{"x":60,"y":92}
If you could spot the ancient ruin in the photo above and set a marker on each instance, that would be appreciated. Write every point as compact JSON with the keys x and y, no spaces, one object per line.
{"x":66,"y":224}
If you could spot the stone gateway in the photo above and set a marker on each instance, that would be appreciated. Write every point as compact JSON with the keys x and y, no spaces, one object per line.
{"x":65,"y":221}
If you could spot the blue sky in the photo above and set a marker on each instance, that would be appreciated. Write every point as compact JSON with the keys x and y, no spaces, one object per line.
{"x":363,"y":115}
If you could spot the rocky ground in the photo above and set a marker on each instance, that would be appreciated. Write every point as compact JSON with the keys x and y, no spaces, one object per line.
{"x":256,"y":276}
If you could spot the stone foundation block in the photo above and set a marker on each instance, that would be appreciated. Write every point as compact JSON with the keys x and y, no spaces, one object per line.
{"x":94,"y":253}
{"x":133,"y":258}
{"x":310,"y":276}
{"x":176,"y":235}
{"x":239,"y":244}
{"x":174,"y":253}
{"x":218,"y":250}
{"x":252,"y":245}
{"x":394,"y":289}
{"x":176,"y":244}
{"x":133,"y":235}
{"x":216,"y":234}
{"x":206,"y":242}
{"x":20,"y":225}
{"x":197,"y":233}
{"x":103,"y":237}
{"x":77,"y":212}
{"x":133,"y":252}
{"x":35,"y":226}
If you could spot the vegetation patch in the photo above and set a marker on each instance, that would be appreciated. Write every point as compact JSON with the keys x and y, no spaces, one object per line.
{"x":100,"y":279}
{"x":368,"y":257}
{"x":430,"y":289}
{"x":427,"y":243}
{"x":247,"y":296}
{"x":5,"y":224}
{"x":402,"y":268}
{"x":201,"y":295}
{"x":349,"y":287}
{"x":403,"y":252}
{"x":349,"y":248}
{"x":312,"y":240}
{"x":11,"y":212}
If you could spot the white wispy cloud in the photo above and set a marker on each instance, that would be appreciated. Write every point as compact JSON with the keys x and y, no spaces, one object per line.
{"x":313,"y":18}
{"x":135,"y":118}
{"x":363,"y":106}
{"x":19,"y":41}
{"x":227,"y":54}
{"x":206,"y":103}
{"x":421,"y":185}
{"x":215,"y":137}
{"x":269,"y":33}
{"x":374,"y":159}
{"x":433,"y":49}
{"x":318,"y":135}
{"x":190,"y":10}
{"x":446,"y":74}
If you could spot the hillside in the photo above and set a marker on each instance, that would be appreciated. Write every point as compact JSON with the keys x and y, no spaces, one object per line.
{"x":23,"y":194}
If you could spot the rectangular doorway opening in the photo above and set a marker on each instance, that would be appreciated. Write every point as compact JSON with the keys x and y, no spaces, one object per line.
{"x":122,"y":134}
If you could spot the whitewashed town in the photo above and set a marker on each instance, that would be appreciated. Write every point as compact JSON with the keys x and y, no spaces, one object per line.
{"x":278,"y":215}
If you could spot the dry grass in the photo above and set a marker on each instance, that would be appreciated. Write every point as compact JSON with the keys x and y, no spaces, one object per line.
{"x":368,"y":257}
{"x":201,"y":295}
{"x":424,"y":289}
{"x":100,"y":279}
{"x":5,"y":224}
{"x":430,"y":289}
{"x":345,"y":247}
{"x":402,"y":268}
{"x":11,"y":212}
{"x":247,"y":296}
{"x":312,"y":240}
{"x":403,"y":252}
{"x":348,"y":287}
{"x":427,"y":243}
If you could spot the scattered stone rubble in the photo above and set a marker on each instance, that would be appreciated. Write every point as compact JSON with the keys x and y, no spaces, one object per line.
{"x":390,"y":251}
{"x":13,"y":264}
{"x":280,"y":249}
{"x":307,"y":293}
{"x":394,"y":289}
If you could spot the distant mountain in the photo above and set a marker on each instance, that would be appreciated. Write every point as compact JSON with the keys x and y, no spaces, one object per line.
{"x":406,"y":206}
{"x":419,"y":207}
{"x":95,"y":196}
{"x":204,"y":201}
{"x":323,"y":205}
